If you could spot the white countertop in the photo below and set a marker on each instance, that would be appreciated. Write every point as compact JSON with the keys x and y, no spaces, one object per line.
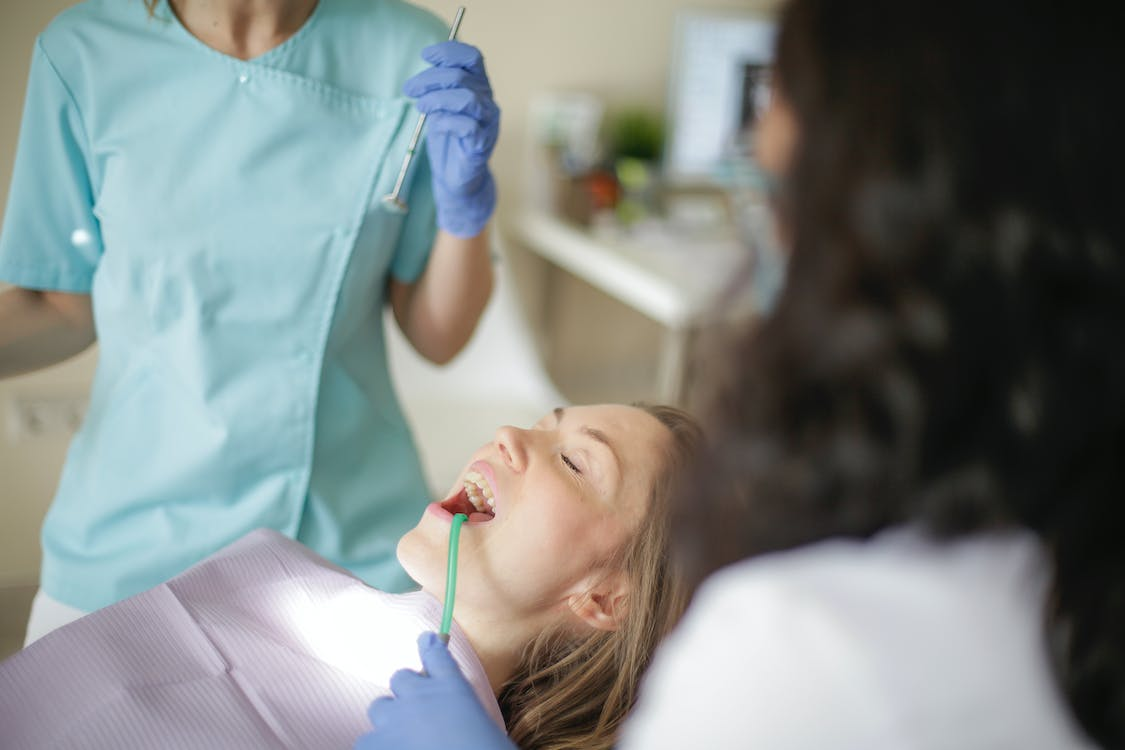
{"x":673,"y":279}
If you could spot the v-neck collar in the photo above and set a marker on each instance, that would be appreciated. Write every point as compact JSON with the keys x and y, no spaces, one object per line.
{"x":273,"y":52}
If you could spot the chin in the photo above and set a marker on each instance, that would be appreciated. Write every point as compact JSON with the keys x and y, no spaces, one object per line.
{"x":416,"y":556}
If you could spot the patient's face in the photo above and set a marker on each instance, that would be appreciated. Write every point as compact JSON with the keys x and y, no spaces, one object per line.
{"x":567,"y":494}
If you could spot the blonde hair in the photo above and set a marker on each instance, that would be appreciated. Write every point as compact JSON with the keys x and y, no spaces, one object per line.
{"x":573,"y":692}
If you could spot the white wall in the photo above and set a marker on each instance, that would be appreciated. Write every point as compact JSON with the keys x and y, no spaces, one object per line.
{"x":615,"y":48}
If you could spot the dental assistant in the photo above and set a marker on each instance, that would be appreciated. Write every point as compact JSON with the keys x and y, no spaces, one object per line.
{"x":197,"y":188}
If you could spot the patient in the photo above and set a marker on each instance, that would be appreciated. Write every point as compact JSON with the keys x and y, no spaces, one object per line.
{"x":563,"y":592}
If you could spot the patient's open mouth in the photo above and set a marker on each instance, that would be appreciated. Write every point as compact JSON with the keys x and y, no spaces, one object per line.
{"x":474,"y":499}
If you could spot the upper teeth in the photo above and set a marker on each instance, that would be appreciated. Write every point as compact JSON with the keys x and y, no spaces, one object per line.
{"x":479,"y":492}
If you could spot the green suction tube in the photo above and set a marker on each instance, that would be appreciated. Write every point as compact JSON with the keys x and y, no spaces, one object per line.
{"x":451,"y":576}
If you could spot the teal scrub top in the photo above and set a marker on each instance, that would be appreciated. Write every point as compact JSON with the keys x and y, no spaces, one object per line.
{"x":225,"y":217}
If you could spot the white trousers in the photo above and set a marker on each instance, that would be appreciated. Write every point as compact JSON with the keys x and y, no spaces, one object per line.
{"x":47,"y":614}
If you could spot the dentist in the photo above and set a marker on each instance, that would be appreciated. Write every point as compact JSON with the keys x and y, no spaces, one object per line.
{"x":197,"y":188}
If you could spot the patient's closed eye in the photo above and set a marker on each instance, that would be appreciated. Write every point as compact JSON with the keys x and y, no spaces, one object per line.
{"x":570,"y":464}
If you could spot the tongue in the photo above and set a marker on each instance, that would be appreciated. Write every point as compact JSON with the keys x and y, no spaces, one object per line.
{"x":460,"y":503}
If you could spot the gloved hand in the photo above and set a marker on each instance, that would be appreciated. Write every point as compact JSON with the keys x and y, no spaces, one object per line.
{"x":432,"y":711}
{"x":461,"y":129}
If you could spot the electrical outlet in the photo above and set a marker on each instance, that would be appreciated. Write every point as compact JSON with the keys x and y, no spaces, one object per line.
{"x":32,"y":417}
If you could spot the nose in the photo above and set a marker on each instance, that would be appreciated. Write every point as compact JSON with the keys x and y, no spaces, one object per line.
{"x":512,"y":444}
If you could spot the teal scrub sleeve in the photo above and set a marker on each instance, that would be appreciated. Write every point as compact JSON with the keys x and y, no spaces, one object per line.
{"x":420,"y":225}
{"x":51,"y":239}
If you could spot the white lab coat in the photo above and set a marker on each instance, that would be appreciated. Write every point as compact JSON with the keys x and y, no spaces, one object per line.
{"x":897,"y":642}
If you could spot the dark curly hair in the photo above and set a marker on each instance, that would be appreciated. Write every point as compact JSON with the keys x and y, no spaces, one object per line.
{"x":950,"y":348}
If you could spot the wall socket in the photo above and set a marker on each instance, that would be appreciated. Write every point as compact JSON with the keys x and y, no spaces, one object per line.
{"x":31,"y":417}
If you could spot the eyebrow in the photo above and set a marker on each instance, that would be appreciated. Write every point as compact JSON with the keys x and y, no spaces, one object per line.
{"x":595,"y":433}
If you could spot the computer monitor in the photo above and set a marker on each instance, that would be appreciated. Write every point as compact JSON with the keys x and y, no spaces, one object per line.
{"x":719,"y":86}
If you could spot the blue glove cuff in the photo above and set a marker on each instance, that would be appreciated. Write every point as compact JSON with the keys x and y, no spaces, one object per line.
{"x":465,"y":213}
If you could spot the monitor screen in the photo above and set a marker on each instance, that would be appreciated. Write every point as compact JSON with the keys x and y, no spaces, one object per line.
{"x":719,"y":87}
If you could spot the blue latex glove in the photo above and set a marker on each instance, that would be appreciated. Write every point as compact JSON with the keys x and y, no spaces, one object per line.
{"x":461,"y":129}
{"x":432,"y":711}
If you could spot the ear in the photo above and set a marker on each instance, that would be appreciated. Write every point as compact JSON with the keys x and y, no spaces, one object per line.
{"x":604,"y":603}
